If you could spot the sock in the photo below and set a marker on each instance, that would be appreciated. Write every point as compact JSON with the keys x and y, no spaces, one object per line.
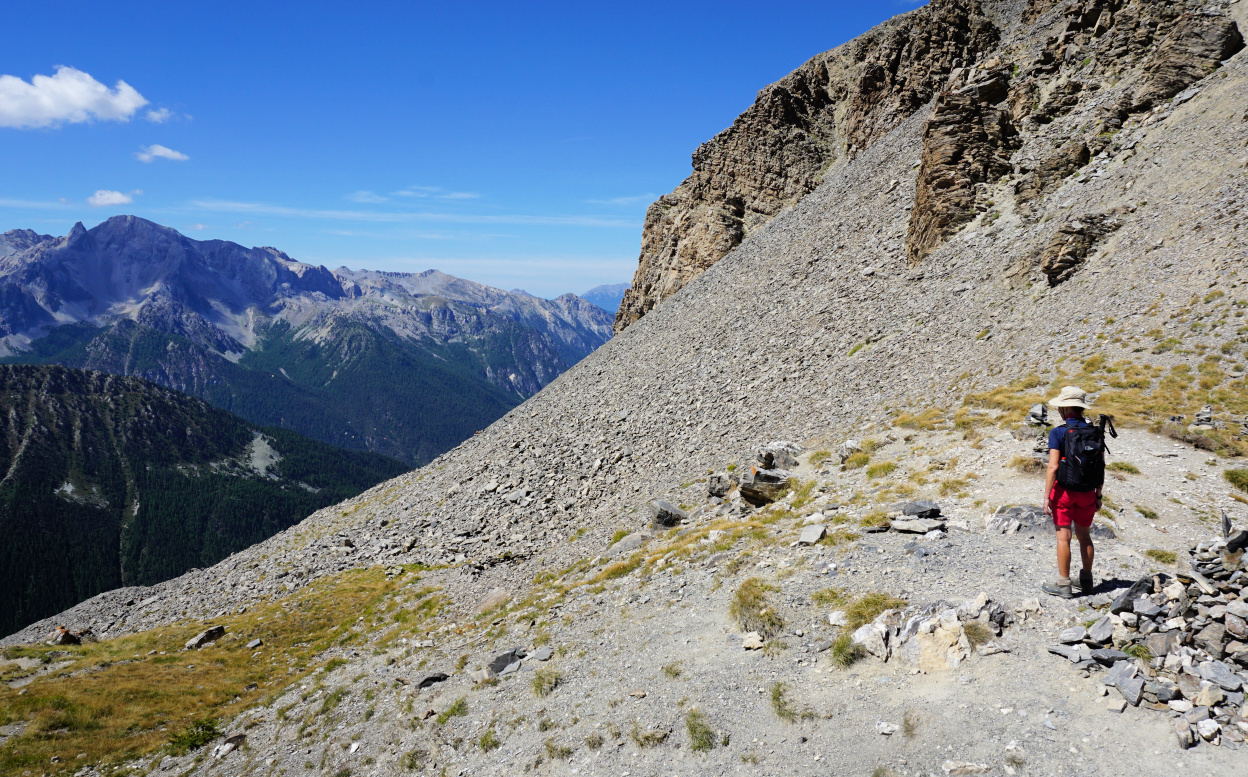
{"x":1063,"y":581}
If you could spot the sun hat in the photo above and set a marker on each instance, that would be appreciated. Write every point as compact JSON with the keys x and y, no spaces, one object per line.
{"x":1071,"y":396}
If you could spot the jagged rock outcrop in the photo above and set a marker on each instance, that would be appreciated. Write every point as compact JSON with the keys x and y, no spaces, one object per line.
{"x":967,"y":142}
{"x":1072,"y":243}
{"x":830,"y":108}
{"x":840,"y":102}
{"x":1052,"y":171}
{"x":1192,"y":50}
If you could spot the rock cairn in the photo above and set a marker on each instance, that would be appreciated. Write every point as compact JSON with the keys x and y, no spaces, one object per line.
{"x":1177,"y":644}
{"x":936,"y":636}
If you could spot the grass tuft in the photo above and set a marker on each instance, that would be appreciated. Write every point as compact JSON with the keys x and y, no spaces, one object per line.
{"x":1147,"y":513}
{"x":866,"y":607}
{"x":195,"y":736}
{"x":910,"y":724}
{"x":460,"y":707}
{"x":783,"y":707}
{"x":844,"y":652}
{"x":856,"y":460}
{"x":701,"y":736}
{"x":828,"y":597}
{"x":1237,"y":478}
{"x":651,"y":738}
{"x":1028,"y":465}
{"x":545,"y":681}
{"x":751,"y":610}
{"x":818,"y":457}
{"x":881,"y":469}
{"x":1123,"y":466}
{"x":977,"y":633}
{"x":1161,"y":556}
{"x":672,"y":670}
{"x":489,"y":740}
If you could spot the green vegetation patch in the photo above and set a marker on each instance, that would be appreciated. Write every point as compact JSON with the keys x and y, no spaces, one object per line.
{"x":752,"y":611}
{"x":115,"y":703}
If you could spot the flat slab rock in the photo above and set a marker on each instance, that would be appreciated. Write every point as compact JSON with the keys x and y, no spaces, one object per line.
{"x":917,"y":525}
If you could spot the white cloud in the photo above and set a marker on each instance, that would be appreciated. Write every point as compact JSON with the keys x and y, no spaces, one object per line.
{"x":635,"y":199}
{"x":366,"y":197}
{"x":199,"y":227}
{"x":157,"y":151}
{"x":459,"y":196}
{"x":159,"y":115}
{"x":104,"y":197}
{"x":70,"y":96}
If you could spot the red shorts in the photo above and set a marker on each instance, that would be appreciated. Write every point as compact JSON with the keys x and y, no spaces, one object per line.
{"x":1078,"y":507}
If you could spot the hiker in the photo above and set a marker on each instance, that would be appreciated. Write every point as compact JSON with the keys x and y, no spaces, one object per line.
{"x":1072,"y":485}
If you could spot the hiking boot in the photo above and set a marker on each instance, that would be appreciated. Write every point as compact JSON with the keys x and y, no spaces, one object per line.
{"x":1058,"y":588}
{"x":1085,"y":584}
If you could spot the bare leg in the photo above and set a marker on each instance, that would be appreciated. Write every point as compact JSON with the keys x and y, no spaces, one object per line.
{"x":1086,"y":550}
{"x":1063,"y":551}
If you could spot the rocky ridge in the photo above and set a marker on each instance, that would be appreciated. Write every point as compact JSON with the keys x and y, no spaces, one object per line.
{"x":1001,"y":77}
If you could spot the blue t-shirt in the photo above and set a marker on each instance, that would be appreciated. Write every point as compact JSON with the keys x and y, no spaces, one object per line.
{"x":1058,"y":432}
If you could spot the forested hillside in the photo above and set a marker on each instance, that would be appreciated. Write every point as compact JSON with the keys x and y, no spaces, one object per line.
{"x":112,"y":481}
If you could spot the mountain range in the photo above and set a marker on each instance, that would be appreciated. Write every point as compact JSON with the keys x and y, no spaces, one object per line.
{"x":403,"y":364}
{"x":112,"y":481}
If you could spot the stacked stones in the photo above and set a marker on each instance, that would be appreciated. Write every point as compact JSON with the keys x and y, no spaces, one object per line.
{"x":1177,"y":644}
{"x":934,"y":637}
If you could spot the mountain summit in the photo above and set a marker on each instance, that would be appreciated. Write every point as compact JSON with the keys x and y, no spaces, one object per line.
{"x":403,"y":364}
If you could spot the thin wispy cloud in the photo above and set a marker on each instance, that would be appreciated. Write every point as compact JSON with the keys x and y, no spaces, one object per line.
{"x":157,"y":151}
{"x":636,"y":199}
{"x":435,"y":192}
{"x":391,"y":217}
{"x":103,"y":197}
{"x":34,"y":204}
{"x":367,"y":197}
{"x":68,"y":97}
{"x":159,"y":115}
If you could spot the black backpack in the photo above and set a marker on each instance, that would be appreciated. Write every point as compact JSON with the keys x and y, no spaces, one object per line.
{"x":1083,"y":455}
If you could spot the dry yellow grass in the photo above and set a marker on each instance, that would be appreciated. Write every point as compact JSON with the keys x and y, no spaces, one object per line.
{"x":130,"y":703}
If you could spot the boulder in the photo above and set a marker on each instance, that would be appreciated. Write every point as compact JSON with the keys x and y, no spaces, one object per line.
{"x":1101,"y":631}
{"x":1126,"y":600}
{"x":763,"y":486}
{"x":776,"y":455}
{"x":205,"y":637}
{"x":62,"y":636}
{"x":630,"y":542}
{"x":847,"y":449}
{"x":812,"y":534}
{"x":718,"y":484}
{"x":917,"y":526}
{"x":923,"y":508}
{"x":666,"y":515}
{"x":431,"y":679}
{"x":874,"y":639}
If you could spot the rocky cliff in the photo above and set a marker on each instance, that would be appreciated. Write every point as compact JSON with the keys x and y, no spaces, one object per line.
{"x":987,"y":103}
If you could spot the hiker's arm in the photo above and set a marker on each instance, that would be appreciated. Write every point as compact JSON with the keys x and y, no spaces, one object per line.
{"x":1050,"y":477}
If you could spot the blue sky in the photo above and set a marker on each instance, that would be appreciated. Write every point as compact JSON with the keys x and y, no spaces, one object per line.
{"x":513,"y":144}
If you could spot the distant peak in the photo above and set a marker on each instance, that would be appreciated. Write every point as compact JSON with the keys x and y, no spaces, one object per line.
{"x":78,"y":236}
